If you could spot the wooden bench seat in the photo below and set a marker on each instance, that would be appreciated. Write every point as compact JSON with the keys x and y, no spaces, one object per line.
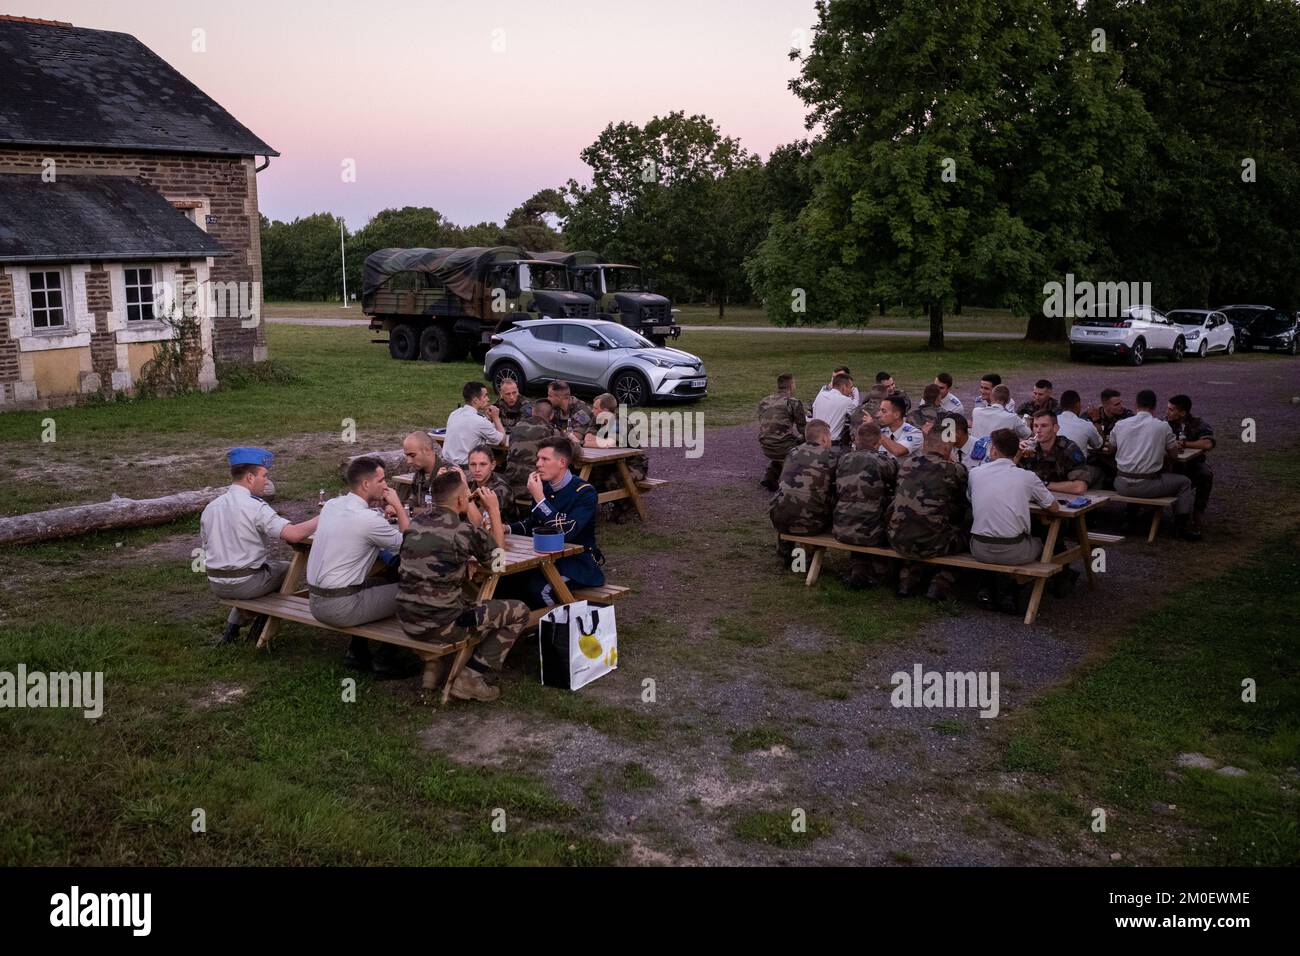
{"x":820,"y":543}
{"x":643,"y":486}
{"x":1157,"y":504}
{"x":603,"y":594}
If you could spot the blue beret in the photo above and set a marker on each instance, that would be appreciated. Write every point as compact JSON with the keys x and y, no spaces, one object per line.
{"x":249,"y":456}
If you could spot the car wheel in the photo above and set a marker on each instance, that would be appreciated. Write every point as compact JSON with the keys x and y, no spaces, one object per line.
{"x":403,"y":343}
{"x":1204,"y":350}
{"x":630,"y":388}
{"x":435,"y":344}
{"x":1232,"y":345}
{"x":508,"y":371}
{"x":1180,"y":349}
{"x":1138,"y":353}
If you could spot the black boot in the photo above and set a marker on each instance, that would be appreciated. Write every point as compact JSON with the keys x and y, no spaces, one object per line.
{"x":1183,"y":528}
{"x":228,"y":636}
{"x":358,"y":656}
{"x":987,"y":596}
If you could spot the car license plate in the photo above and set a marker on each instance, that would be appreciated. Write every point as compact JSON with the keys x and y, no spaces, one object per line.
{"x":1096,"y":333}
{"x":662,"y":329}
{"x":698,"y":382}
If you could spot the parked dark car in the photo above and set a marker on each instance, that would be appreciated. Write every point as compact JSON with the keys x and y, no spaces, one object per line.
{"x":1242,"y":315}
{"x":1274,"y":330}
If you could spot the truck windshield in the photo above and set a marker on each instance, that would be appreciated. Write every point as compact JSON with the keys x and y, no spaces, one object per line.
{"x":550,"y":278}
{"x":623,"y":279}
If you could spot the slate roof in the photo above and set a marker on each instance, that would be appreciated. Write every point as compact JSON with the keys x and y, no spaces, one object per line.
{"x":85,"y":218}
{"x":71,"y":87}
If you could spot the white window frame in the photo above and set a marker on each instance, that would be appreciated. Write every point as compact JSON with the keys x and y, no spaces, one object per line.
{"x":65,"y":308}
{"x":145,"y":300}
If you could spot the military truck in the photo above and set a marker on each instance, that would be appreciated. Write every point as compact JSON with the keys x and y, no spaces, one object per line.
{"x":439,"y":304}
{"x":621,"y":294}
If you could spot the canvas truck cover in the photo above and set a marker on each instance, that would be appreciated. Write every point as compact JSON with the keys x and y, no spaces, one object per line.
{"x":584,"y":257}
{"x":460,"y":270}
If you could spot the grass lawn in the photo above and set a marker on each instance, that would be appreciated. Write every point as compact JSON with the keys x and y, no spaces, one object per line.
{"x":322,"y":376}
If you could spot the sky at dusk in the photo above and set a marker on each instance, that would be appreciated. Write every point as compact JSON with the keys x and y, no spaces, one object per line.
{"x":468,"y":106}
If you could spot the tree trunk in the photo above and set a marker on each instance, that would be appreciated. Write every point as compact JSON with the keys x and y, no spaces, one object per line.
{"x":103,"y":516}
{"x":936,"y":326}
{"x":1043,"y":328}
{"x":956,"y":309}
{"x":882,"y":308}
{"x":722,"y":303}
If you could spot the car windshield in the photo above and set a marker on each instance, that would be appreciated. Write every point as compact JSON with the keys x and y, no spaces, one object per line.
{"x":1243,"y":315}
{"x":1277,"y":322}
{"x":624,"y":338}
{"x":623,"y":279}
{"x":1187,"y":318}
{"x":550,"y":278}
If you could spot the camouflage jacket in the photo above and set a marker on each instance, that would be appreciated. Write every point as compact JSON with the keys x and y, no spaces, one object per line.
{"x":864,"y":488}
{"x":922,"y":414}
{"x":930,"y":506}
{"x":1030,"y":407}
{"x":510,"y":417}
{"x":781,"y":421}
{"x":1062,"y":462}
{"x":436,"y":551}
{"x":418,"y":494}
{"x":1191,"y":428}
{"x":521,"y":457}
{"x":1107,"y":422}
{"x":579,"y":419}
{"x":803,"y":502}
{"x":499,"y":487}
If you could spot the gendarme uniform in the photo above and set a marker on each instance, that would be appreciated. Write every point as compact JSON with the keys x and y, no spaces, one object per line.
{"x":348,"y":539}
{"x":237,"y":530}
{"x":1141,"y":443}
{"x":575,"y":502}
{"x":431,"y":598}
{"x":951,"y":403}
{"x":1000,"y":495}
{"x":1061,"y":462}
{"x":512,"y":415}
{"x":906,"y":434}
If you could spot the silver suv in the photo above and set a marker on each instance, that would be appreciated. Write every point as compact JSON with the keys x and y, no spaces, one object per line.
{"x":593,"y":355}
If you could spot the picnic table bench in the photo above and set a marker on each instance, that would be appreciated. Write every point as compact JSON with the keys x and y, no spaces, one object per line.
{"x":291,"y":603}
{"x":1039,"y":571}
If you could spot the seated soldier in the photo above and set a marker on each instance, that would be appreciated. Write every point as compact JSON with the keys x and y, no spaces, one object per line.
{"x":236,"y":531}
{"x":834,"y":405}
{"x":1142,"y":443}
{"x":929,"y":517}
{"x":781,"y":423}
{"x":573,"y":417}
{"x":967,"y":452}
{"x":1111,"y":411}
{"x":477,"y":422}
{"x":1193,"y":432}
{"x":440,"y":553}
{"x":830,"y":386}
{"x":422,"y":456}
{"x":1041,"y":400}
{"x":864,"y":490}
{"x":1081,"y":431}
{"x":481,"y":472}
{"x":986,"y":419}
{"x":989,"y":382}
{"x":528,"y":434}
{"x":1000,"y":496}
{"x":350,"y":538}
{"x":929,"y":410}
{"x":1055,"y":459}
{"x":559,"y":495}
{"x":609,"y":435}
{"x":948,"y":399}
{"x":898,"y":437}
{"x":512,"y":405}
{"x":805,"y":496}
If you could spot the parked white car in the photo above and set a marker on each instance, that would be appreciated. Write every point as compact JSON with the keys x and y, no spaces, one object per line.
{"x":1138,"y":332}
{"x":1206,"y":331}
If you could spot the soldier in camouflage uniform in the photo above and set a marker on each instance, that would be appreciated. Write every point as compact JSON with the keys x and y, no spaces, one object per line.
{"x":521,"y":457}
{"x":607,"y":435}
{"x":1040,"y":401}
{"x":929,"y":410}
{"x":513,"y":407}
{"x":421,"y":454}
{"x":1193,"y":432}
{"x":930,"y":515}
{"x":1105,"y":416}
{"x":573,"y":417}
{"x":805,"y":498}
{"x":864,"y":491}
{"x":781,"y":422}
{"x":481,"y":473}
{"x":1057,"y":461}
{"x":883,"y":389}
{"x":437,"y":551}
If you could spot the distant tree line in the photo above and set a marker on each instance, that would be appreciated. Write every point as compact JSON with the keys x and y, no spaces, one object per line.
{"x":961,"y":152}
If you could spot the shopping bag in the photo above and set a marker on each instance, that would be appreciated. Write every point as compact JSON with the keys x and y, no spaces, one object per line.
{"x":578,"y":642}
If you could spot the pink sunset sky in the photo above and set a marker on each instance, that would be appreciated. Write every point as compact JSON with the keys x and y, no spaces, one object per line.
{"x":433,"y":114}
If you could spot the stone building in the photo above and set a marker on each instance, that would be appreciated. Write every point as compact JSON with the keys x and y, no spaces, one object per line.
{"x":118,"y":177}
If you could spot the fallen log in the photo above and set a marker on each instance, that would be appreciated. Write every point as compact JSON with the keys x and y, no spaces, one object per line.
{"x":107,"y":515}
{"x":394,"y":460}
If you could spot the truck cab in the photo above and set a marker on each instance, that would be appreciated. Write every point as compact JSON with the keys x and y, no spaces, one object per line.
{"x":621,"y":294}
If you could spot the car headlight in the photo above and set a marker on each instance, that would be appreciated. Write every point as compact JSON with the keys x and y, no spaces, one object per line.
{"x":661,"y":363}
{"x":1194,"y":334}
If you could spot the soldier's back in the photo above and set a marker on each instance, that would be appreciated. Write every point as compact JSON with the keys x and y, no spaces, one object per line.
{"x":781,"y":421}
{"x":434,"y":566}
{"x":929,"y":506}
{"x":864,"y":486}
{"x":521,"y":458}
{"x":805,"y":496}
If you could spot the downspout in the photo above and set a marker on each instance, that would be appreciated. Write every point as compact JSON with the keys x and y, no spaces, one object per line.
{"x":258,"y":169}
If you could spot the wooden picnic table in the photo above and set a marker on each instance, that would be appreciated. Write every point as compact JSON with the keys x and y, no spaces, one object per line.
{"x":1082,"y":549}
{"x":519,"y":556}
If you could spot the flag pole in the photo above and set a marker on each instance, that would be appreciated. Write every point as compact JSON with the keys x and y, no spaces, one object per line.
{"x":344,"y":255}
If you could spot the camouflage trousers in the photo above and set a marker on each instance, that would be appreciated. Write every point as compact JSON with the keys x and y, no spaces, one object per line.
{"x":773,"y":474}
{"x":495,"y":624}
{"x":912,"y":575}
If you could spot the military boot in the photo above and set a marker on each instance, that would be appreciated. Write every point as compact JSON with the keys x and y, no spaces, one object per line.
{"x":228,"y":635}
{"x":1184,"y":530}
{"x":470,"y":685}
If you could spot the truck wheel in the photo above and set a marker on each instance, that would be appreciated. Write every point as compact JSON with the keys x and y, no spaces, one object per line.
{"x":435,"y":344}
{"x":403,"y":344}
{"x":630,"y":388}
{"x":508,"y":371}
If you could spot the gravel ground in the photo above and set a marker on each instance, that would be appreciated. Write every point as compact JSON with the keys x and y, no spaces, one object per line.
{"x":887,"y":779}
